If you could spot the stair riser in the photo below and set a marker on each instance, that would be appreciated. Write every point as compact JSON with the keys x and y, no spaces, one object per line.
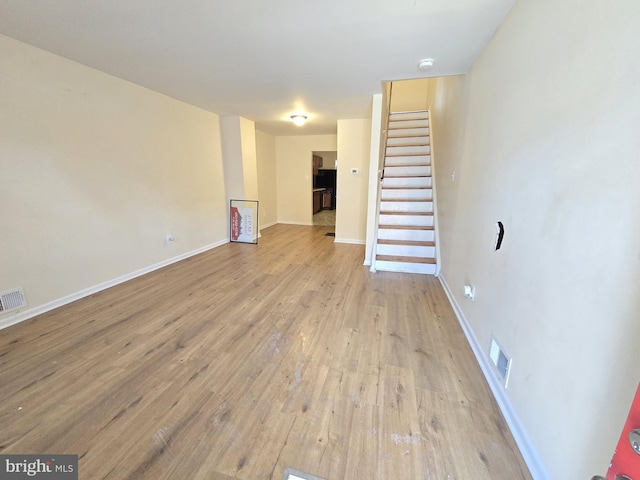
{"x":416,"y":207}
{"x":411,"y":171}
{"x":408,"y":160}
{"x":423,"y":268}
{"x":407,"y":220}
{"x":407,"y":251}
{"x":400,"y":141}
{"x":415,"y":150}
{"x":397,"y":124}
{"x":423,"y":182}
{"x":417,"y":115}
{"x":409,"y":194}
{"x":406,"y":235}
{"x":407,"y":132}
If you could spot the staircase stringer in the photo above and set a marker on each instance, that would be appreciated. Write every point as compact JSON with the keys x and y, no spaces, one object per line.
{"x":434,"y":195}
{"x":383,"y":147}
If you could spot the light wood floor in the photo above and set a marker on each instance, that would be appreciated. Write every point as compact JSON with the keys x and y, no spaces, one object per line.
{"x":245,"y":360}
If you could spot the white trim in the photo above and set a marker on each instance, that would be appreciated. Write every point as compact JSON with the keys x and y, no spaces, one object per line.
{"x":349,"y":240}
{"x":21,"y":316}
{"x":374,"y":175}
{"x":267,"y":225}
{"x":434,"y":199}
{"x":527,"y":449}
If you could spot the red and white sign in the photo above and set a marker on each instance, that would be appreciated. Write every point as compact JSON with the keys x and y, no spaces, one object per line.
{"x":626,"y":462}
{"x":242,"y":225}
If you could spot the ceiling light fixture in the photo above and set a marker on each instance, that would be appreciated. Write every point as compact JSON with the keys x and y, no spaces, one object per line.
{"x":298,"y":119}
{"x":425,"y":64}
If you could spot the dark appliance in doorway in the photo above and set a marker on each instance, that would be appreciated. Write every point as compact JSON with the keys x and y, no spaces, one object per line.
{"x":327,"y":179}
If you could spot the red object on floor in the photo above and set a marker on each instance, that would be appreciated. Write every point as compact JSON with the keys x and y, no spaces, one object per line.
{"x":625,"y":460}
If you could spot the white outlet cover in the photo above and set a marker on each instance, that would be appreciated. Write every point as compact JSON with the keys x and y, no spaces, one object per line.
{"x":469,"y":292}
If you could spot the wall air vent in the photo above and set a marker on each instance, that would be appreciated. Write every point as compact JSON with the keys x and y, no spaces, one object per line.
{"x":12,"y":300}
{"x":500,"y":360}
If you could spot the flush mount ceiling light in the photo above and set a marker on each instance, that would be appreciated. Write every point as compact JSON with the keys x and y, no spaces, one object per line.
{"x":425,"y":64}
{"x":298,"y":119}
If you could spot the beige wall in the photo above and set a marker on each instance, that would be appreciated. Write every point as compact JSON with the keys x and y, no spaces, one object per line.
{"x":328,"y":160}
{"x":231,"y":139}
{"x":294,"y":175}
{"x":409,"y":95}
{"x":267,"y":183}
{"x":354,"y":138}
{"x":543,"y":135}
{"x":249,"y":161}
{"x":95,"y":172}
{"x":239,"y":157}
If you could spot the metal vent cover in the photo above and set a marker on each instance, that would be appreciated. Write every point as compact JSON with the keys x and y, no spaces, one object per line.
{"x":12,"y":300}
{"x":501,"y":361}
{"x":292,"y":474}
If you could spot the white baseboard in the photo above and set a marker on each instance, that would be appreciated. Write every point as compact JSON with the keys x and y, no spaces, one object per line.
{"x":23,"y":315}
{"x":352,"y":241}
{"x":267,"y":225}
{"x":306,"y":224}
{"x":528,"y":450}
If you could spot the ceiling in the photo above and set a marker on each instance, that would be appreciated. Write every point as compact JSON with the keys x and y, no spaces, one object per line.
{"x":259,"y":59}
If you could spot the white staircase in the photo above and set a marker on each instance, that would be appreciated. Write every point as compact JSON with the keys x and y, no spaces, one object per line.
{"x":406,"y":236}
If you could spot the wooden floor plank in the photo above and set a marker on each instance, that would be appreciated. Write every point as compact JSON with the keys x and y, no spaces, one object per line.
{"x":247,"y":359}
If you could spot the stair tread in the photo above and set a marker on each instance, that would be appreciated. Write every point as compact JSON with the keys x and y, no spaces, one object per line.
{"x":406,"y":176}
{"x":419,"y":140}
{"x":401,"y":259}
{"x":393,"y":127}
{"x":424,"y":214}
{"x":400,"y":112}
{"x":405,"y":227}
{"x":408,"y":243}
{"x":409,"y":165}
{"x":406,"y":188}
{"x":406,"y":154}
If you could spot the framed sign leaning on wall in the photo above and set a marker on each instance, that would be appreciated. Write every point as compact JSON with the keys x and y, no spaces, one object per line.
{"x":243,"y":221}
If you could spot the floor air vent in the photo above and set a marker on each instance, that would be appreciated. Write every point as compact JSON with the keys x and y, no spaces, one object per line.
{"x":12,"y":300}
{"x":291,"y":474}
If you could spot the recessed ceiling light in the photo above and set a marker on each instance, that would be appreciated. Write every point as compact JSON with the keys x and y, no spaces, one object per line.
{"x":298,"y":119}
{"x":425,"y":64}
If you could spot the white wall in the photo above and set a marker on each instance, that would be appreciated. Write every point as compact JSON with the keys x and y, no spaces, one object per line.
{"x":95,"y":172}
{"x":294,"y":175}
{"x":543,"y":135}
{"x":354,"y":138}
{"x":267,"y":181}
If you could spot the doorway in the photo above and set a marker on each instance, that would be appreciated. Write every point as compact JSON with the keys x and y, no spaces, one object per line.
{"x":324,"y":167}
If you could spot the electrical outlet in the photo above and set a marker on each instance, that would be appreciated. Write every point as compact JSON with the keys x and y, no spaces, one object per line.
{"x":168,"y":239}
{"x":470,"y":292}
